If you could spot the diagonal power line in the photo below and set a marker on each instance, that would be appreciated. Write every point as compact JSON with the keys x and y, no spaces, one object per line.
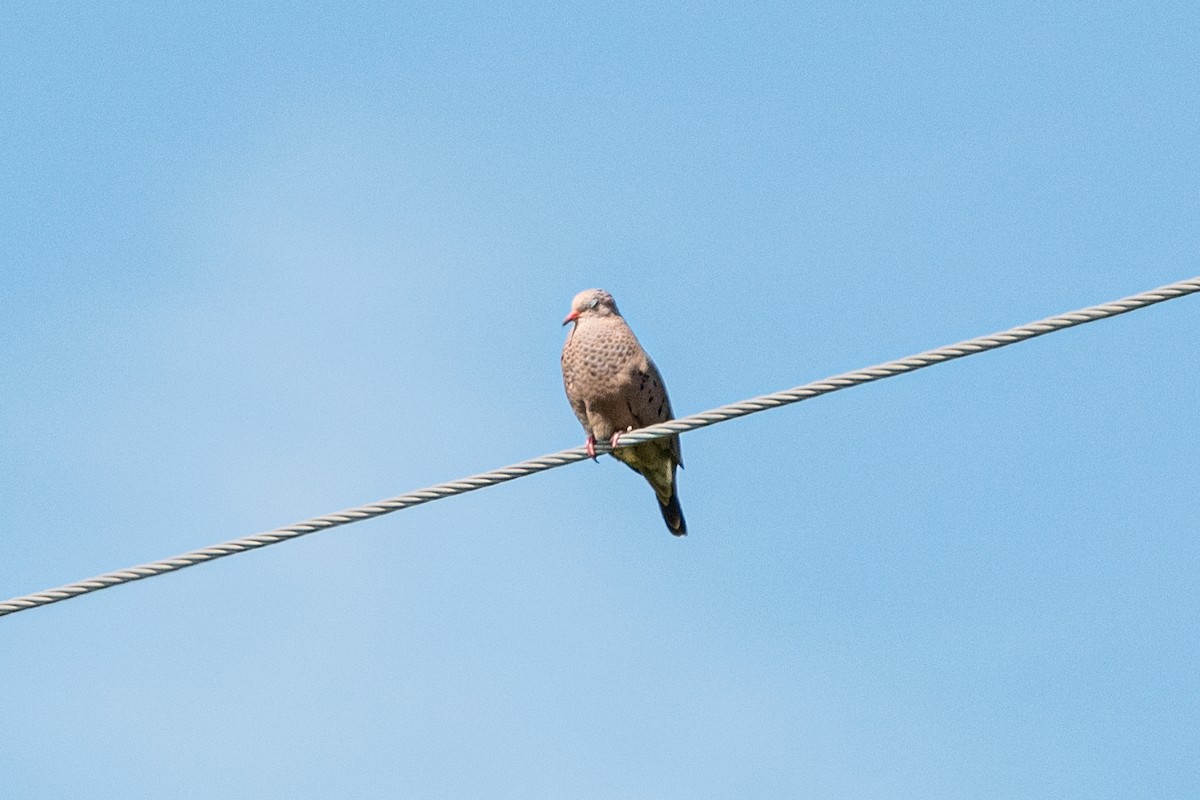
{"x":681,"y":425}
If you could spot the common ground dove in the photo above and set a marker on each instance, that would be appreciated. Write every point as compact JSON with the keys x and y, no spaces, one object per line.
{"x":614,"y":387}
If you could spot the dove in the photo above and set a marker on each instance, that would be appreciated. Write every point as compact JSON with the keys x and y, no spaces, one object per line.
{"x":614,"y":388}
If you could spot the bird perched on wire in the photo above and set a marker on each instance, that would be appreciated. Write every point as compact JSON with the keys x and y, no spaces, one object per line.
{"x":614,"y":387}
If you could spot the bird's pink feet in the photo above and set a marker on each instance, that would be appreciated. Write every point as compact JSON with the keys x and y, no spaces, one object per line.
{"x":590,"y":445}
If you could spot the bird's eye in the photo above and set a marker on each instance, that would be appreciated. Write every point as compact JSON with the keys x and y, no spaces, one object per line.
{"x":594,"y":304}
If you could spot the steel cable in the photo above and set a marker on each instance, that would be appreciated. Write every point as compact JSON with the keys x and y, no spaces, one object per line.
{"x":723,"y":413}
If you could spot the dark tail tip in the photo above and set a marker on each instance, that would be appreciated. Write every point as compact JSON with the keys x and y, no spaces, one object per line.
{"x":673,"y":516}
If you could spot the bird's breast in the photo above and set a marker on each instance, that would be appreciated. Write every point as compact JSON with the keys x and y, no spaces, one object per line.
{"x":600,"y":356}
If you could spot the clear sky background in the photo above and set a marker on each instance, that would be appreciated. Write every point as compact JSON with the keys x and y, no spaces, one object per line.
{"x":266,"y":262}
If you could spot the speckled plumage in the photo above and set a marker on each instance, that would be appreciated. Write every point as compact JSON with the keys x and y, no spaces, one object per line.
{"x":614,"y":387}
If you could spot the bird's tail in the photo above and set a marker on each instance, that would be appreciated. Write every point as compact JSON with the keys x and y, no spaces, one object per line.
{"x":673,"y":514}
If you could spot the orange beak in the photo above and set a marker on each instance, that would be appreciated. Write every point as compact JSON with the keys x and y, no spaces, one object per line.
{"x":574,"y":315}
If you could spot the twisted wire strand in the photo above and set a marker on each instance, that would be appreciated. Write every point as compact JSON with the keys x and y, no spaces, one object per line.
{"x":683,"y":424}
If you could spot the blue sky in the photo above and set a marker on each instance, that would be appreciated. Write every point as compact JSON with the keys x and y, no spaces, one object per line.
{"x":262,"y":263}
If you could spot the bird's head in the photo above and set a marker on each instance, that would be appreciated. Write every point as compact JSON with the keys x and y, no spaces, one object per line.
{"x":592,"y":303}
